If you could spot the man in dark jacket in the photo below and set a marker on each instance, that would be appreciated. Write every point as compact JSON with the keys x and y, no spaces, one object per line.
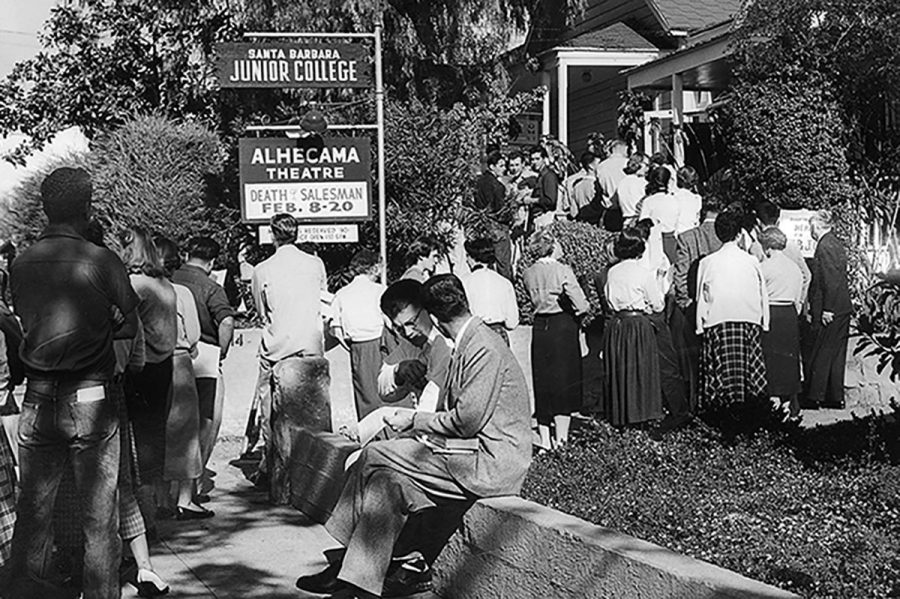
{"x":490,"y":197}
{"x":830,"y":308}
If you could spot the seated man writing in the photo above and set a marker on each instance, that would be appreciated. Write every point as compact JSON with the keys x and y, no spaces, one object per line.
{"x":415,"y":369}
{"x":486,"y":400}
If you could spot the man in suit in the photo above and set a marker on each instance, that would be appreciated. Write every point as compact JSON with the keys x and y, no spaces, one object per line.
{"x":830,"y":309}
{"x":487,"y":400}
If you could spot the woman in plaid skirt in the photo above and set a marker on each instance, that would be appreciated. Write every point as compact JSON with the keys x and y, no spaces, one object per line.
{"x":732,"y":312}
{"x":7,"y":467}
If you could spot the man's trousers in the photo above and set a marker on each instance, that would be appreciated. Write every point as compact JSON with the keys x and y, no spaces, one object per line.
{"x":391,"y":481}
{"x":827,"y":363}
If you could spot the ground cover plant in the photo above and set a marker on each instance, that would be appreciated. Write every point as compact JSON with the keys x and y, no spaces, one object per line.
{"x":816,"y":512}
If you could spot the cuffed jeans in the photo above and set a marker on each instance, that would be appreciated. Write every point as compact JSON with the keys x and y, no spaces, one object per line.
{"x":62,"y":419}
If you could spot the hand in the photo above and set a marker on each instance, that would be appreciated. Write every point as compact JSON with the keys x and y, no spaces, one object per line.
{"x":411,"y":372}
{"x":827,"y":318}
{"x":400,"y":421}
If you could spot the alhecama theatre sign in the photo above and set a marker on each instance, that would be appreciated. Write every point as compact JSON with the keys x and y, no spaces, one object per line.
{"x":293,"y":65}
{"x":313,"y":179}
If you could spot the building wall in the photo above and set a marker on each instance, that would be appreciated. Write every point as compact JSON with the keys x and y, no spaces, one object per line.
{"x":593,"y":105}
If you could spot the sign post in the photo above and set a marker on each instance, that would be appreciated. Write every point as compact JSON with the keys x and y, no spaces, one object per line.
{"x":327,"y":184}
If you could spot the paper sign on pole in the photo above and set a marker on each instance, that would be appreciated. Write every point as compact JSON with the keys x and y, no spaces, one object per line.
{"x":316,"y":234}
{"x":795,"y":225}
{"x":293,"y":65}
{"x":328,"y":180}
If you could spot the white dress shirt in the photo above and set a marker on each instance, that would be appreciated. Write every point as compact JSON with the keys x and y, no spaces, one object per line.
{"x":357,"y":309}
{"x":784,"y":280}
{"x":630,"y":286}
{"x":689,"y":206}
{"x":630,"y":191}
{"x":662,"y":209}
{"x":492,"y":297}
{"x":730,"y":288}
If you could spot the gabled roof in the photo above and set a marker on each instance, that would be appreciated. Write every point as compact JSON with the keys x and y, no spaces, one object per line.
{"x":688,"y":15}
{"x":617,"y":36}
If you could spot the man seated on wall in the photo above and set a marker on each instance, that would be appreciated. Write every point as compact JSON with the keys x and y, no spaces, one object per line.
{"x":486,"y":409}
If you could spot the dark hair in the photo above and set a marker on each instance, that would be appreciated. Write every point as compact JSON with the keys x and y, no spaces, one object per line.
{"x":8,"y":250}
{"x":481,"y":250}
{"x":768,"y":213}
{"x":686,"y":178}
{"x":538,"y":150}
{"x":139,"y":253}
{"x":635,"y":162}
{"x":420,"y":248}
{"x":363,"y":261}
{"x":403,"y":293}
{"x":284,"y":228}
{"x":66,"y":194}
{"x":658,"y":158}
{"x":728,"y":225}
{"x":493,"y":158}
{"x":203,"y":248}
{"x":516,"y":154}
{"x":587,"y":159}
{"x":658,"y":180}
{"x":644,"y":227}
{"x":95,"y":233}
{"x":445,"y":298}
{"x":168,"y":254}
{"x":629,"y":244}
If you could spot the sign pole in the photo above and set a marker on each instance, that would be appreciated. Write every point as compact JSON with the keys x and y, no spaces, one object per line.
{"x":379,"y":120}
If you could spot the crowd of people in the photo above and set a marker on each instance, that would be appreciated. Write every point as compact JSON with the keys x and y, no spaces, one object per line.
{"x":703,"y":303}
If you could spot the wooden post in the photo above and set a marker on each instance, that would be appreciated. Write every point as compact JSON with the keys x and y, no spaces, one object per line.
{"x":562,"y":85}
{"x":678,"y":118}
{"x":545,"y":120}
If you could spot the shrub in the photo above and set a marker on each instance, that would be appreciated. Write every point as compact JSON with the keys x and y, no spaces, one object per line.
{"x":152,"y":172}
{"x":812,"y":511}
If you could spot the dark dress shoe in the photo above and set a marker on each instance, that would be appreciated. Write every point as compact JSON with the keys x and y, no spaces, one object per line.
{"x":202,"y":498}
{"x":323,"y":583}
{"x":410,"y":578}
{"x":186,"y":514}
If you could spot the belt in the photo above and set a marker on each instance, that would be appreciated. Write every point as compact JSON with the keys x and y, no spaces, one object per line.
{"x":630,"y":313}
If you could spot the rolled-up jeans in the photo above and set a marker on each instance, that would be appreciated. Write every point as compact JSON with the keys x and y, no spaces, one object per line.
{"x":62,"y":419}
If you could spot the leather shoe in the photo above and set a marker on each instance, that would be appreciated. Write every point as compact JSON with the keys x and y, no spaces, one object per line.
{"x":323,"y":583}
{"x":186,"y":514}
{"x":412,"y":577}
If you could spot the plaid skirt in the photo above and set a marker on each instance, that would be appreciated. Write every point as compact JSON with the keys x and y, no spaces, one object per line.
{"x":7,"y":497}
{"x":732,"y":368}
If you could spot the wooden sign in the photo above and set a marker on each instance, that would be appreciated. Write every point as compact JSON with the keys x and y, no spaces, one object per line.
{"x":297,"y":65}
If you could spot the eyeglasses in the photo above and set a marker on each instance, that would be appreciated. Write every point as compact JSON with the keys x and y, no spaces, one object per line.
{"x":410,"y":325}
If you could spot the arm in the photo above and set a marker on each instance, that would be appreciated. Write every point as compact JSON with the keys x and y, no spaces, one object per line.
{"x":680,"y":270}
{"x":653,"y":294}
{"x":476,"y":398}
{"x":226,"y":332}
{"x":702,"y":296}
{"x":124,"y":300}
{"x":573,"y":290}
{"x":259,"y":297}
{"x":223,"y":314}
{"x":548,"y":192}
{"x":511,"y":308}
{"x":761,"y":285}
{"x":5,"y":378}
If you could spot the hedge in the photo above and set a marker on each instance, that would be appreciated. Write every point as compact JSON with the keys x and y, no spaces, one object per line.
{"x":815,"y":511}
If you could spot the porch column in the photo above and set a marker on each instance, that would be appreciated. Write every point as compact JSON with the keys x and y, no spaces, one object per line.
{"x":678,"y":118}
{"x":545,"y":120}
{"x":562,"y":75}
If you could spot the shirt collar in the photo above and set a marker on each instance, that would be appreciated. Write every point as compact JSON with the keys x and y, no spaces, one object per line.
{"x":547,"y":259}
{"x":61,"y":230}
{"x":462,"y":331}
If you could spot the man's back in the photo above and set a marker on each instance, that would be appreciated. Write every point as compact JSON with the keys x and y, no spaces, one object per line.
{"x":64,"y":290}
{"x":209,"y":298}
{"x":609,"y":173}
{"x":287,"y":289}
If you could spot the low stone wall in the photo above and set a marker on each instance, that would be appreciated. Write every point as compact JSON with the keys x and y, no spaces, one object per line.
{"x":509,"y":547}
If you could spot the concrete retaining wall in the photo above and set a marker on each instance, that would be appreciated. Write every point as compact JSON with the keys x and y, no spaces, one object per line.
{"x":509,"y":547}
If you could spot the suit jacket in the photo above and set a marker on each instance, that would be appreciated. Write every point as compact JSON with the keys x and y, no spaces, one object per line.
{"x":829,"y":290}
{"x":691,"y":247}
{"x":487,"y":399}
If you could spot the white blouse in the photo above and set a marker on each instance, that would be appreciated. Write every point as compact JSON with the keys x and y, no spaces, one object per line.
{"x":630,"y":286}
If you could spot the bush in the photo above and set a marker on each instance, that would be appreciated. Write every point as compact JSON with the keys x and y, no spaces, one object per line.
{"x":816,"y":511}
{"x":585,"y":250}
{"x":152,"y":172}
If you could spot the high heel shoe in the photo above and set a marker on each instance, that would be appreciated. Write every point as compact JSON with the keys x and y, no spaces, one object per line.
{"x":182,"y":513}
{"x":150,"y":585}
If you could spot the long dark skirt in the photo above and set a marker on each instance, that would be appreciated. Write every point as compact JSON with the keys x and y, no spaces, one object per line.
{"x":781,"y":350}
{"x":182,"y":458}
{"x":632,"y":390}
{"x":555,"y":366}
{"x":147,"y":393}
{"x":732,"y":369}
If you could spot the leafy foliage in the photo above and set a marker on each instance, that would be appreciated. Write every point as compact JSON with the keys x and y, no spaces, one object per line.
{"x":878,"y":324}
{"x":630,"y":119}
{"x":152,"y":172}
{"x":812,"y":511}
